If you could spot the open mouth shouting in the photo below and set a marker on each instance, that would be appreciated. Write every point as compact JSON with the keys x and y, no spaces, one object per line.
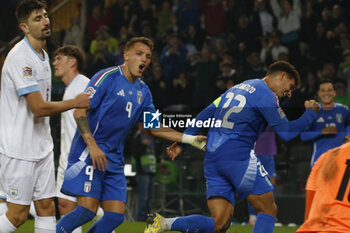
{"x":142,"y":68}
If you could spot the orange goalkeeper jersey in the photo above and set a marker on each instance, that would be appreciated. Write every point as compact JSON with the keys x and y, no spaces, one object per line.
{"x":329,"y":178}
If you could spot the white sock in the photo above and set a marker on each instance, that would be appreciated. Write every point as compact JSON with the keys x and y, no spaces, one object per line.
{"x":3,"y":208}
{"x":5,"y":225}
{"x":45,"y":224}
{"x":32,"y":210}
{"x":168,"y":222}
{"x":77,"y":230}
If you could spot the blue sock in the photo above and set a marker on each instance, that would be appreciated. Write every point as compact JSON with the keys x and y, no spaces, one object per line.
{"x":265,"y":223}
{"x":74,"y":219}
{"x":107,"y":223}
{"x":194,"y":224}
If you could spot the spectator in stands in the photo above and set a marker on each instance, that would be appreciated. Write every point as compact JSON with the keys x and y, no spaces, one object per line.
{"x":215,"y":19}
{"x":164,"y":18}
{"x":272,"y":48}
{"x":288,"y":19}
{"x":188,"y":12}
{"x":228,"y":73}
{"x":158,"y":87}
{"x":97,"y":18}
{"x":183,"y":89}
{"x":331,"y":127}
{"x":342,"y":95}
{"x":173,"y":58}
{"x":143,"y":11}
{"x":204,"y":73}
{"x":75,"y":33}
{"x":104,"y":42}
{"x":262,"y":19}
{"x":254,"y":67}
{"x":145,"y":158}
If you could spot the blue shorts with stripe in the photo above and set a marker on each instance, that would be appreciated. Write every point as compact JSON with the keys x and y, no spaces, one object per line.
{"x":80,"y":179}
{"x":269,"y":164}
{"x":225,"y":178}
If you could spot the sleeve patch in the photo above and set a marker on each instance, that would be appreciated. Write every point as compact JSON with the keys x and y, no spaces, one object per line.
{"x":27,"y":72}
{"x":217,"y":101}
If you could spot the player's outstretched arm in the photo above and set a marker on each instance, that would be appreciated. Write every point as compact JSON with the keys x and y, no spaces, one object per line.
{"x":97,"y":156}
{"x":172,"y":135}
{"x":42,"y":108}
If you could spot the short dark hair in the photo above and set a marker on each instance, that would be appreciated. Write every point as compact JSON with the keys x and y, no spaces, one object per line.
{"x":72,"y":51}
{"x":284,"y":66}
{"x":323,"y":81}
{"x":26,"y":7}
{"x":143,"y":40}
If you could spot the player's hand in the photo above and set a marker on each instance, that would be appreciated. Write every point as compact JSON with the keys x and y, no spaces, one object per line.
{"x":313,"y":105}
{"x":82,"y":100}
{"x":98,"y":158}
{"x":347,"y":138}
{"x":173,"y":151}
{"x":201,"y":141}
{"x":329,"y":130}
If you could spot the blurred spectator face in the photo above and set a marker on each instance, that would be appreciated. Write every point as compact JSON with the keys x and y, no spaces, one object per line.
{"x":336,"y":11}
{"x":254,"y":59}
{"x":340,"y":89}
{"x":320,"y":28}
{"x":243,"y":21}
{"x":326,"y":93}
{"x":123,"y":33}
{"x":259,"y":4}
{"x":328,"y":71}
{"x":283,"y":56}
{"x":157,"y":71}
{"x":205,"y":53}
{"x":311,"y":80}
{"x":166,"y":7}
{"x":191,"y":30}
{"x":229,"y":84}
{"x":286,"y":7}
{"x":345,"y":42}
{"x":102,"y":33}
{"x":96,"y":12}
{"x":225,"y":68}
{"x":174,"y":41}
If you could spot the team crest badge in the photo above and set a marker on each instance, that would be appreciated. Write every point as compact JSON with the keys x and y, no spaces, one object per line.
{"x":139,"y":97}
{"x":339,"y":117}
{"x":87,"y":186}
{"x":90,"y":91}
{"x":13,"y":192}
{"x":280,"y":111}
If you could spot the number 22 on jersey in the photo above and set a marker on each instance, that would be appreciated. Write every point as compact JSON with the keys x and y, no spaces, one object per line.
{"x":233,"y":109}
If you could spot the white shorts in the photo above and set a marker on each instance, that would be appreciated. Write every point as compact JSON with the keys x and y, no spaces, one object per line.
{"x":60,"y":177}
{"x":25,"y":181}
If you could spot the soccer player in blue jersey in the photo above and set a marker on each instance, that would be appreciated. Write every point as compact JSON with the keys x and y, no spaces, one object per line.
{"x":95,"y":172}
{"x":230,"y":164}
{"x":331,"y":128}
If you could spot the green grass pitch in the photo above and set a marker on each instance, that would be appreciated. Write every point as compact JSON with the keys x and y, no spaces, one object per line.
{"x":138,"y":227}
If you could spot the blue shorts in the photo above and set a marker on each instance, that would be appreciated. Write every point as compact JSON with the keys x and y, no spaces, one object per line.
{"x":269,"y":164}
{"x":80,"y":179}
{"x":226,"y":178}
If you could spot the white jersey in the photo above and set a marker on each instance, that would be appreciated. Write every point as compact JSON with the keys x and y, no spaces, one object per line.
{"x":22,"y":135}
{"x":68,"y":124}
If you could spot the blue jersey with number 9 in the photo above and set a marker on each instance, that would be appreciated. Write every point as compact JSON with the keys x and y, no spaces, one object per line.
{"x":116,"y":104}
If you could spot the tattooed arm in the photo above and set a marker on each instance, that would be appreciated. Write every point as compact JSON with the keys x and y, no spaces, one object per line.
{"x":97,"y":156}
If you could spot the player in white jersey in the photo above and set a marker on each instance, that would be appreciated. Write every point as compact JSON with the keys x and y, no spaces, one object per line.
{"x":68,"y":63}
{"x":26,"y":157}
